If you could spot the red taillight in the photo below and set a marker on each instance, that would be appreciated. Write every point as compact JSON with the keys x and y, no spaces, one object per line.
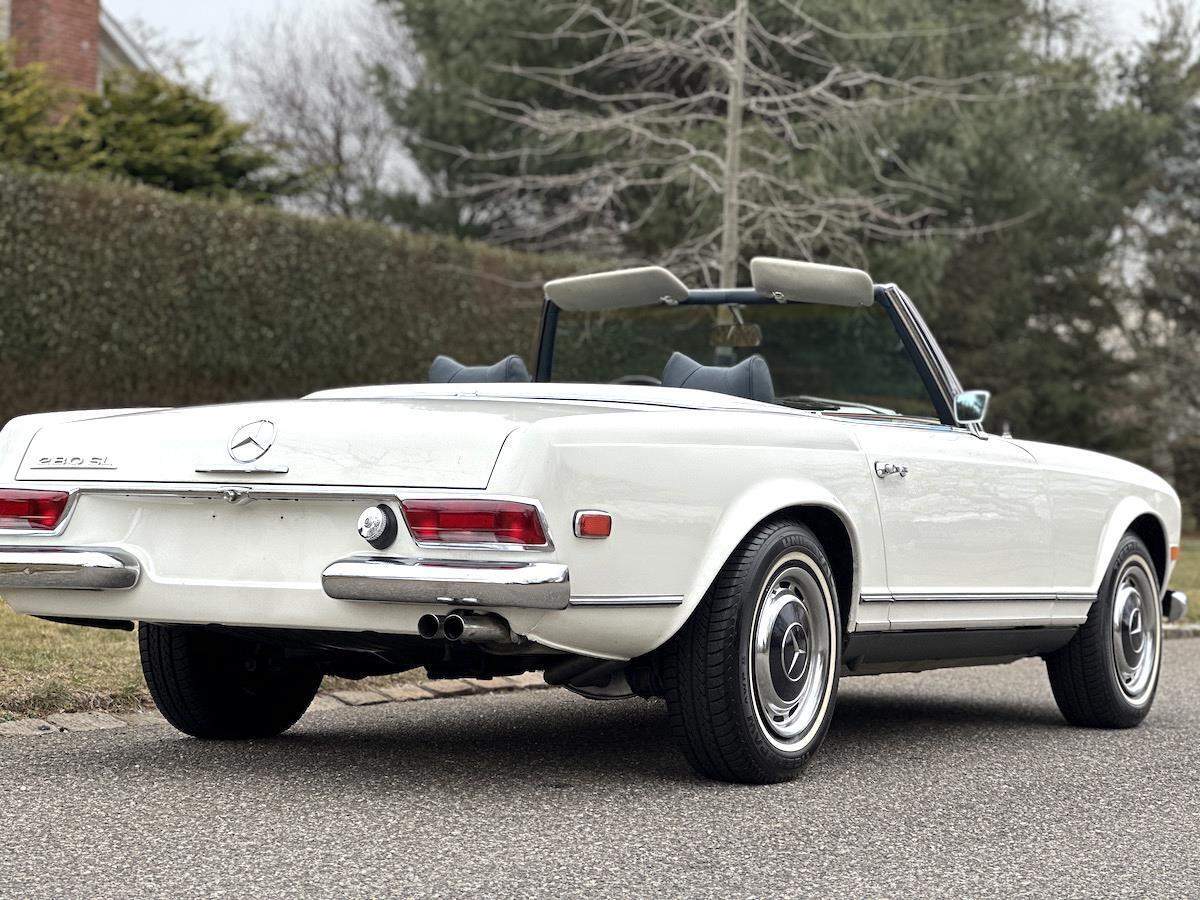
{"x":474,"y":522}
{"x":31,"y":510}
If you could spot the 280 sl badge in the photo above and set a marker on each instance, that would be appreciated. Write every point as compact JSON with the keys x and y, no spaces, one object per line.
{"x":73,"y":462}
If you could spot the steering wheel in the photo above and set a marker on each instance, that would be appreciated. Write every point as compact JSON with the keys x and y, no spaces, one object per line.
{"x":648,"y":380}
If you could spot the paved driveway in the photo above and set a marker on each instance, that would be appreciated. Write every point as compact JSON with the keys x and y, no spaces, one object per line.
{"x":946,"y":783}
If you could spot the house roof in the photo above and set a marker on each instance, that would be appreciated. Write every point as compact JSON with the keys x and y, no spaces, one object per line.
{"x":119,"y":46}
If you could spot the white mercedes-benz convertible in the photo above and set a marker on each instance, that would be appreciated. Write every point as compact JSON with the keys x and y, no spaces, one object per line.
{"x":726,"y":498}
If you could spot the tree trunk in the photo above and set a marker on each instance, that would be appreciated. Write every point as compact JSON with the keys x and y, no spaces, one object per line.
{"x":730,"y":239}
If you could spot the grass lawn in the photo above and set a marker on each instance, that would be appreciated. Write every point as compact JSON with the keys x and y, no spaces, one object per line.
{"x":1187,"y":576}
{"x":47,"y":668}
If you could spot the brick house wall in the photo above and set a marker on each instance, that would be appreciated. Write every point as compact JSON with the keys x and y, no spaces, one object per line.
{"x":62,"y":34}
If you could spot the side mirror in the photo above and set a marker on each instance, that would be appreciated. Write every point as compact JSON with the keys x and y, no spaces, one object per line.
{"x":971,"y":406}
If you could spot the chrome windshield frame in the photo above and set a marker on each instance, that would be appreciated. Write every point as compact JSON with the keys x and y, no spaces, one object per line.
{"x":946,"y":383}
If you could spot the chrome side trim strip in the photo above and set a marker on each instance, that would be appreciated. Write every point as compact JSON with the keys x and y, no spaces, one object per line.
{"x":979,"y":611}
{"x":68,"y":568}
{"x":973,"y":598}
{"x":530,"y":585}
{"x":969,"y":598}
{"x":652,"y":600}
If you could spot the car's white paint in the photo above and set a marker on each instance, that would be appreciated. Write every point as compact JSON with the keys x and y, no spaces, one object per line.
{"x":980,"y":502}
{"x":321,"y":442}
{"x":685,"y":474}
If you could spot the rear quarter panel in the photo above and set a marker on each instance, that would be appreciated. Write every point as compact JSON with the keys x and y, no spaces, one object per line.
{"x":684,"y":488}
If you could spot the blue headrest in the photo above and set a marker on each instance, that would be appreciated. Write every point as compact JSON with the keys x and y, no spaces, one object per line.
{"x":511,"y":369}
{"x":750,"y":378}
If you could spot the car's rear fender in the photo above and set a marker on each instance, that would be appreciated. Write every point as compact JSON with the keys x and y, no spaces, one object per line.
{"x":790,"y":498}
{"x":684,"y":491}
{"x":634,"y":631}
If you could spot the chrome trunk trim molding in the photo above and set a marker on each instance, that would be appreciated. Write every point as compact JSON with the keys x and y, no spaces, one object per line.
{"x":214,"y":490}
{"x":242,"y":469}
{"x":68,"y":568}
{"x":455,"y":583}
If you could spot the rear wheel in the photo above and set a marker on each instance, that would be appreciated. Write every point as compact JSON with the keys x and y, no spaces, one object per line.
{"x":751,"y":680}
{"x":1106,"y":677}
{"x":214,"y":685}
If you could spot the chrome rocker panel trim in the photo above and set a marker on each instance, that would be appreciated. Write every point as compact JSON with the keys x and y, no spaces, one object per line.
{"x":530,"y":585}
{"x":68,"y":568}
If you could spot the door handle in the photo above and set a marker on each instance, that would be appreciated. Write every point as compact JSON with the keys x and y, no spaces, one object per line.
{"x":884,"y":469}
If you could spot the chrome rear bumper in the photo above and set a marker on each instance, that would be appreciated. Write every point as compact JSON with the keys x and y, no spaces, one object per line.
{"x":531,"y":585}
{"x":68,"y":568}
{"x":1175,"y":605}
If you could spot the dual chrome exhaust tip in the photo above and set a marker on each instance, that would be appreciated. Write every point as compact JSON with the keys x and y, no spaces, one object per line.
{"x":466,"y":627}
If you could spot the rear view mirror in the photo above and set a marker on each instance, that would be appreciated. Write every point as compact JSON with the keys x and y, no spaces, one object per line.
{"x":971,"y":406}
{"x":735,"y":336}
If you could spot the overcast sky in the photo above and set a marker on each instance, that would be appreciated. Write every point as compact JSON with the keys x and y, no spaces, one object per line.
{"x":210,"y":23}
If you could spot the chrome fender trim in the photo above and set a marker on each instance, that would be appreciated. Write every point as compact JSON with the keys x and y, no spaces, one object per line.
{"x":531,"y":585}
{"x":68,"y":568}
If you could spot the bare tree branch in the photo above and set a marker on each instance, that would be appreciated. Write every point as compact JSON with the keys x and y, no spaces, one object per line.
{"x":699,"y":104}
{"x":305,"y":81}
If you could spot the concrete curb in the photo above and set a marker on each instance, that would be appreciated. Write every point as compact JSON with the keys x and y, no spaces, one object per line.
{"x":326,"y":700}
{"x":1181,"y":631}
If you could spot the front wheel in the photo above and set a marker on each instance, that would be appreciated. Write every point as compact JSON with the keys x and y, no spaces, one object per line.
{"x":1106,"y":677}
{"x":214,"y":685}
{"x":751,"y":680}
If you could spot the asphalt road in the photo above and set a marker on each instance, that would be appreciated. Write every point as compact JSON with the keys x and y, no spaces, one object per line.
{"x":947,"y":783}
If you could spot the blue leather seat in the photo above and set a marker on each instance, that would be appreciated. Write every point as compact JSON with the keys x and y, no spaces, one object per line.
{"x":751,"y":378}
{"x":511,"y":369}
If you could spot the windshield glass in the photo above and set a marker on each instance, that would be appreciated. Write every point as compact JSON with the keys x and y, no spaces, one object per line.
{"x":827,"y":358}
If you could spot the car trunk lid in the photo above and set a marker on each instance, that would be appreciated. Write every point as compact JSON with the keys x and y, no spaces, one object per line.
{"x":393,"y":443}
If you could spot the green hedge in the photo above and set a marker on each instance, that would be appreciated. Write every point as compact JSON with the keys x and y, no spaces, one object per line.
{"x":115,"y":295}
